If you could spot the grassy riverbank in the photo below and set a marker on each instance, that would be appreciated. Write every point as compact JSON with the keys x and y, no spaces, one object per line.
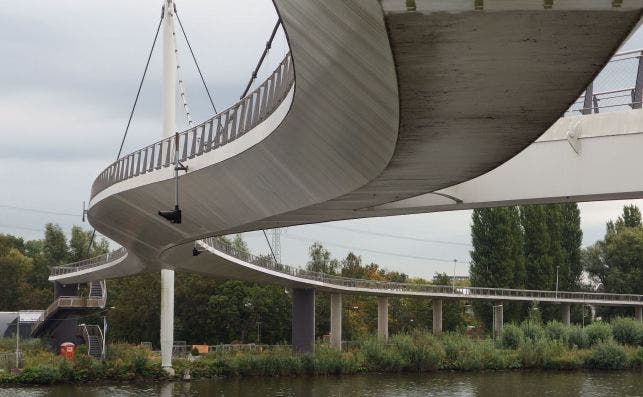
{"x":528,"y":346}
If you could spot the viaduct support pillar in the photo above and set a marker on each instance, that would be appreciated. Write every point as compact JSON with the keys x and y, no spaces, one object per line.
{"x":498,"y":319}
{"x":167,"y":319}
{"x":336,"y":321}
{"x":382,"y":318}
{"x":566,"y":313}
{"x":437,"y":317}
{"x":303,"y":320}
{"x":638,"y":313}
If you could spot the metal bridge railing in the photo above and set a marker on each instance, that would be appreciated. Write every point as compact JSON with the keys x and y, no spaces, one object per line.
{"x":392,"y":287}
{"x":618,"y":87}
{"x":218,"y":131}
{"x":89,"y":263}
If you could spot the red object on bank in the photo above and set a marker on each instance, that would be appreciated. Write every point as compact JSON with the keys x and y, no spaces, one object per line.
{"x":67,"y":350}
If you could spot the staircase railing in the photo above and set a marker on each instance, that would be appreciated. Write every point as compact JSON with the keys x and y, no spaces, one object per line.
{"x":70,"y":302}
{"x":93,"y":336}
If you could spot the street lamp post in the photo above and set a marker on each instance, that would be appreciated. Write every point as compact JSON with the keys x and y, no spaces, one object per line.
{"x":18,"y":341}
{"x":455,"y":262}
{"x":258,"y":332}
{"x":557,"y":267}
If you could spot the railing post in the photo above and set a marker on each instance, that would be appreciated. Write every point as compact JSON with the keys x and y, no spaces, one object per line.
{"x":638,"y":87}
{"x":589,"y":96}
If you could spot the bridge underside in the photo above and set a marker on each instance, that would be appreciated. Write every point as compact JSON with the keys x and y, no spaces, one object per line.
{"x":387,"y":105}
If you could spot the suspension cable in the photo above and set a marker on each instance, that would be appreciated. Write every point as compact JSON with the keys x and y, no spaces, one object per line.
{"x":138,"y":92}
{"x":194,"y":58}
{"x":263,"y":56}
{"x":179,"y":75}
{"x":131,"y":114}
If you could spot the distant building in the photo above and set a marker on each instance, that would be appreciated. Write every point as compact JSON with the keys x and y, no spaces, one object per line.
{"x":9,"y":320}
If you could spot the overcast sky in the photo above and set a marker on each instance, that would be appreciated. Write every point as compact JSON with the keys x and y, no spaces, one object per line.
{"x":69,"y":73}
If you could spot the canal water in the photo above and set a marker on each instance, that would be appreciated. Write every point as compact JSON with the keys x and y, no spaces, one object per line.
{"x":483,"y":384}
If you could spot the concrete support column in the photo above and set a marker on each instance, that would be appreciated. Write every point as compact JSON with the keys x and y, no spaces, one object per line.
{"x":336,"y":321}
{"x":498,"y":318}
{"x":638,"y":313}
{"x":437,"y":317}
{"x":565,"y":309}
{"x":382,"y":318}
{"x":167,"y":318}
{"x":303,"y":320}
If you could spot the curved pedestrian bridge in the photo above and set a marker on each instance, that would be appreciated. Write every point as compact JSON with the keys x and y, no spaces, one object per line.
{"x":383,"y":108}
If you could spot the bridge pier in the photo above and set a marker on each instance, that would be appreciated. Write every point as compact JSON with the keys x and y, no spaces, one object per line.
{"x":303,"y":320}
{"x":167,"y":319}
{"x":498,"y":319}
{"x":382,"y":318}
{"x":565,"y":309}
{"x":437,"y":317}
{"x":638,"y":313}
{"x":336,"y":321}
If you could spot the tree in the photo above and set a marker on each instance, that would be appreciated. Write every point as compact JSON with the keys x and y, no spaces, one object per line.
{"x":617,"y":260}
{"x":572,"y":239}
{"x":55,"y":249}
{"x":352,"y":266}
{"x":320,"y":260}
{"x":497,"y":259}
{"x":14,"y":268}
{"x":79,"y":245}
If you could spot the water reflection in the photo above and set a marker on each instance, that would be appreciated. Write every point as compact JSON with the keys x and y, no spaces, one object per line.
{"x":485,"y":384}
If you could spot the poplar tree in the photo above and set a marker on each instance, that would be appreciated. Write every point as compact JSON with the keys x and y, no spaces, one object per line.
{"x":497,"y":259}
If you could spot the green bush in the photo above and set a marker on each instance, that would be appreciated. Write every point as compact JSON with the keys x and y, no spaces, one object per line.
{"x":598,"y":332}
{"x":577,"y":337}
{"x":420,"y":351}
{"x":607,"y":355}
{"x":329,"y":361}
{"x":512,"y":336}
{"x":381,"y":357}
{"x":627,"y":330}
{"x":540,"y":353}
{"x":41,"y":375}
{"x":556,"y":330}
{"x":532,"y":330}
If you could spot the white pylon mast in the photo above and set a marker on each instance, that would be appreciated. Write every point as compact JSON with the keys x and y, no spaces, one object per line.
{"x":169,"y":71}
{"x":169,"y":125}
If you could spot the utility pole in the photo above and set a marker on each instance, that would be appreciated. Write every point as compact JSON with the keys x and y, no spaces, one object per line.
{"x":276,"y":243}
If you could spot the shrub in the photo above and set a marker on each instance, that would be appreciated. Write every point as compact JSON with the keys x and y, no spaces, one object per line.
{"x":381,"y":357}
{"x":626,"y":330}
{"x":556,"y":330}
{"x":420,"y":351}
{"x":577,"y":337}
{"x":598,"y":332}
{"x":512,"y":336}
{"x":329,"y":361}
{"x":38,"y":375}
{"x":540,"y":353}
{"x":607,"y":355}
{"x":532,"y":330}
